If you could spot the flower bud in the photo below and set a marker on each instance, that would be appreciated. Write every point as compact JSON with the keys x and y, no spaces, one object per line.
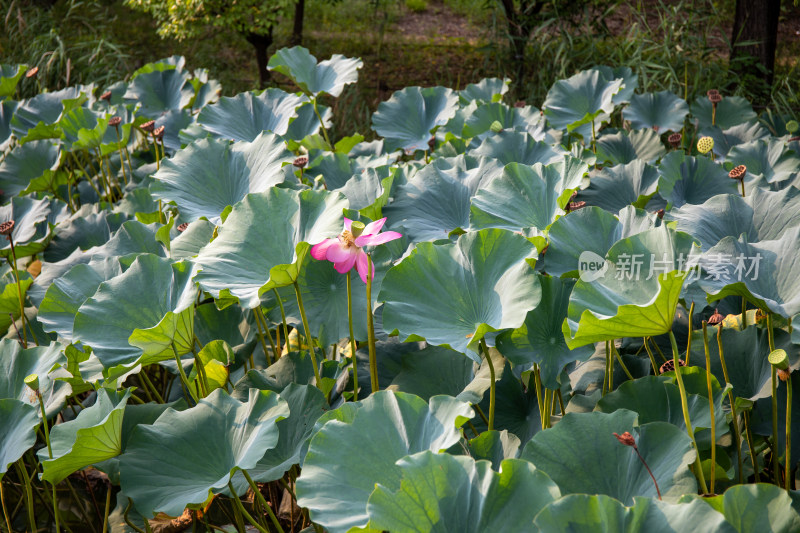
{"x":32,"y":72}
{"x":626,"y":439}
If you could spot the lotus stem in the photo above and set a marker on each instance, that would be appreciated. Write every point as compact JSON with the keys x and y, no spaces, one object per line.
{"x":19,"y":290}
{"x":258,"y":314}
{"x":615,"y":353}
{"x":149,"y":384}
{"x":5,"y":510}
{"x":594,"y":143}
{"x":650,"y":355}
{"x":107,"y":509}
{"x":753,"y":457}
{"x":263,"y":502}
{"x":736,"y":430}
{"x":744,"y":314}
{"x":49,"y":453}
{"x":238,"y":504}
{"x":23,"y":472}
{"x":710,"y":409}
{"x":492,"y":385}
{"x":202,"y":380}
{"x":689,"y":341}
{"x":283,"y":318}
{"x":321,"y":123}
{"x":121,"y":156}
{"x":685,"y":407}
{"x":537,"y":383}
{"x":548,"y":402}
{"x":560,"y":402}
{"x":373,"y":362}
{"x":352,"y":338}
{"x":606,"y":371}
{"x":184,"y":379}
{"x":774,"y":377}
{"x":788,"y":429}
{"x":307,"y":331}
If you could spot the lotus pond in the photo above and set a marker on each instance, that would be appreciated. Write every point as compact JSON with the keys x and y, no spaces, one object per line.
{"x":493,"y":317}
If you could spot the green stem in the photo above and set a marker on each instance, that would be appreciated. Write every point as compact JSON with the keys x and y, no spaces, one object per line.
{"x":19,"y":290}
{"x":352,"y":337}
{"x":184,"y":378}
{"x":606,"y":371}
{"x":121,"y":156}
{"x":753,"y":457}
{"x":321,"y":123}
{"x":5,"y":510}
{"x":149,"y":384}
{"x":492,"y":385}
{"x":685,"y":407}
{"x":689,"y":342}
{"x":107,"y":509}
{"x":44,"y":425}
{"x":202,"y":379}
{"x":788,"y":430}
{"x":257,"y":312}
{"x":373,"y":361}
{"x":283,"y":319}
{"x":736,"y":429}
{"x":238,"y":503}
{"x":537,"y":383}
{"x":744,"y":314}
{"x":263,"y":502}
{"x":307,"y":331}
{"x":28,"y":493}
{"x":650,"y":354}
{"x":774,"y":375}
{"x":621,"y":363}
{"x":260,"y":316}
{"x":710,"y":408}
{"x":548,"y":400}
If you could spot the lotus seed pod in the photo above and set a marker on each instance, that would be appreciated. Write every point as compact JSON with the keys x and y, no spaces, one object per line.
{"x":301,"y":161}
{"x":496,"y":127}
{"x":779,"y":359}
{"x":148,"y":126}
{"x":792,"y":126}
{"x":705,"y":144}
{"x":737,"y":173}
{"x":7,"y":227}
{"x":32,"y":381}
{"x":114,"y":121}
{"x":106,"y":96}
{"x":669,"y":366}
{"x":716,"y":318}
{"x":715,"y":98}
{"x":158,"y":133}
{"x":574,"y":206}
{"x":32,"y":72}
{"x":626,"y":439}
{"x":182,"y":227}
{"x":675,"y":139}
{"x":711,"y":92}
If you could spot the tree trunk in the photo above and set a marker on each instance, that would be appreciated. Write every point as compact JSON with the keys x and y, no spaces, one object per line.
{"x":756,"y":21}
{"x":521,"y":22}
{"x":261,"y":43}
{"x":297,"y":32}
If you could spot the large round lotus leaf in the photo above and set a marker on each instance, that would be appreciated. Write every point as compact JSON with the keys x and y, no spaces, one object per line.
{"x":408,"y":117}
{"x":31,"y":231}
{"x":757,"y":507}
{"x":731,"y":111}
{"x":684,"y":179}
{"x":581,"y":455}
{"x":436,"y":200}
{"x":209,"y":175}
{"x":661,"y":111}
{"x":84,"y":129}
{"x":174,"y":121}
{"x":306,"y":404}
{"x":493,"y":446}
{"x":635,"y":293}
{"x":630,"y":81}
{"x":479,"y":123}
{"x":26,"y":163}
{"x":7,"y":108}
{"x":444,"y":493}
{"x":526,"y":196}
{"x":454,"y":294}
{"x":17,"y":363}
{"x":431,"y":371}
{"x":160,"y":91}
{"x":9,"y":78}
{"x":485,"y":91}
{"x":540,"y":339}
{"x":621,"y":147}
{"x":184,"y":457}
{"x":770,"y":160}
{"x":189,"y":243}
{"x":518,"y":147}
{"x":589,"y":229}
{"x":584,"y":513}
{"x":368,"y":191}
{"x":767,"y":273}
{"x":244,"y":116}
{"x":614,"y":188}
{"x":282,"y":222}
{"x":44,"y":109}
{"x":93,"y":436}
{"x":335,"y":168}
{"x":342,"y":467}
{"x":326,"y":77}
{"x":67,"y":293}
{"x":85,"y":229}
{"x":726,"y":139}
{"x":151,"y":304}
{"x":760,"y":216}
{"x":745,"y":354}
{"x":580,"y":100}
{"x":18,"y":423}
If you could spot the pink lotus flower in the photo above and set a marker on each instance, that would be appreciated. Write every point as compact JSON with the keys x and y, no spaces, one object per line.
{"x":345,"y":250}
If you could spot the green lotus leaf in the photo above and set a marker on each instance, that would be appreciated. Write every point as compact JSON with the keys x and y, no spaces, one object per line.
{"x":760,"y":216}
{"x":7,"y":109}
{"x":189,"y":243}
{"x":630,"y":81}
{"x":731,"y":111}
{"x":493,"y":446}
{"x":184,"y":457}
{"x":210,"y":175}
{"x":67,"y":293}
{"x":293,"y":367}
{"x":9,"y":78}
{"x":726,"y":139}
{"x":93,"y":436}
{"x":622,"y":148}
{"x":306,"y":405}
{"x":540,"y":340}
{"x":637,"y":293}
{"x":581,"y":455}
{"x":9,"y":298}
{"x":580,"y":100}
{"x":111,"y":317}
{"x":175,"y":62}
{"x":25,"y":163}
{"x":283,"y":222}
{"x":518,"y":147}
{"x":83,"y":129}
{"x":759,"y":506}
{"x":589,"y":229}
{"x":336,"y":483}
{"x":307,"y":123}
{"x":765,"y":272}
{"x":335,"y":168}
{"x":368,"y":191}
{"x":16,"y":363}
{"x":767,"y":159}
{"x":406,"y":120}
{"x":326,"y":77}
{"x":584,"y":513}
{"x":244,"y":116}
{"x":18,"y":423}
{"x":389,"y":353}
{"x":455,"y":294}
{"x":31,"y":231}
{"x":441,"y":493}
{"x":613,"y":188}
{"x":661,"y":111}
{"x":160,"y":91}
{"x":479,"y":123}
{"x":527,"y":196}
{"x":174,"y":121}
{"x":684,"y":179}
{"x":44,"y":109}
{"x":430,"y":371}
{"x":485,"y":91}
{"x":230,"y":325}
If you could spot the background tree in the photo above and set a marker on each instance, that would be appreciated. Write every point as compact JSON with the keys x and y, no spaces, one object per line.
{"x":252,"y":19}
{"x":754,"y":40}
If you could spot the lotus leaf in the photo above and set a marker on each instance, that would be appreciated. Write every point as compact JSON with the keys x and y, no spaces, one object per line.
{"x":326,"y":77}
{"x":661,"y":111}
